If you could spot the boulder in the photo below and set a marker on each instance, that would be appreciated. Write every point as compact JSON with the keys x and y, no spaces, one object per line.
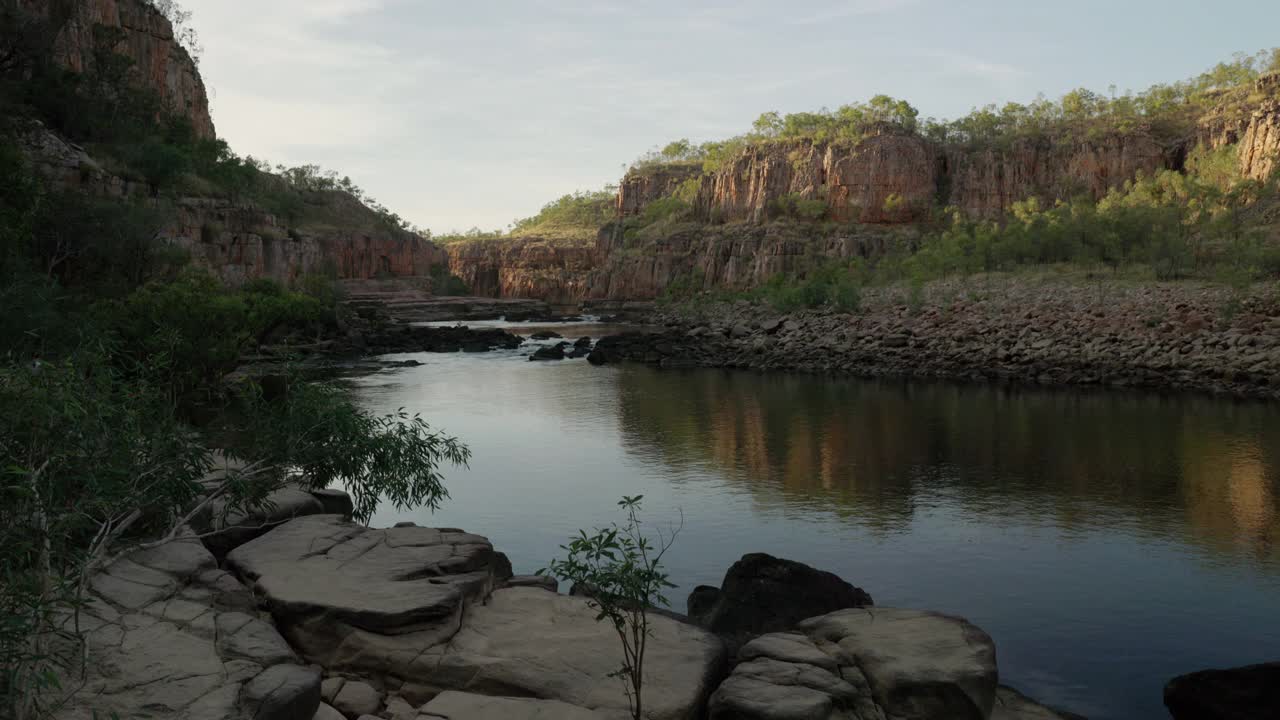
{"x":1252,"y":691}
{"x":762,"y":594}
{"x":357,"y":698}
{"x":282,"y":692}
{"x":363,"y":602}
{"x":919,"y":664}
{"x":545,"y":335}
{"x":859,"y":664}
{"x":597,"y":357}
{"x":528,"y":642}
{"x":465,"y":706}
{"x":554,"y":352}
{"x":582,"y":342}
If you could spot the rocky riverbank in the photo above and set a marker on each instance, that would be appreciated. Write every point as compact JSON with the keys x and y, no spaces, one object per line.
{"x":1166,"y":336}
{"x":295,"y":614}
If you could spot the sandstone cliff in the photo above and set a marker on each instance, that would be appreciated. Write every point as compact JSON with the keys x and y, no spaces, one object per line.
{"x":237,"y":239}
{"x":733,"y":257}
{"x":1252,"y":124}
{"x":524,"y":268}
{"x":641,"y":188}
{"x":160,"y":62}
{"x":895,"y":178}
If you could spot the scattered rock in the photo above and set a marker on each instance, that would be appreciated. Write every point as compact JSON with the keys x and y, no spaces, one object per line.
{"x":546,"y":335}
{"x":1252,"y":691}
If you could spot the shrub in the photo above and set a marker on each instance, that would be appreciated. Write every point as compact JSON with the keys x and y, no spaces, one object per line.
{"x":622,"y":570}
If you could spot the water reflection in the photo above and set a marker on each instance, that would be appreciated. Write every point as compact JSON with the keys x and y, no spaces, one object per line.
{"x":1189,"y":468}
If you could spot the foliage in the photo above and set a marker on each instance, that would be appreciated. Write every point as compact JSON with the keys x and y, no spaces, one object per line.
{"x":315,"y":430}
{"x":88,"y":459}
{"x":622,"y":569}
{"x":446,"y":284}
{"x":831,"y":284}
{"x":1168,"y":112}
{"x":795,"y":205}
{"x":579,"y":213}
{"x":201,"y":328}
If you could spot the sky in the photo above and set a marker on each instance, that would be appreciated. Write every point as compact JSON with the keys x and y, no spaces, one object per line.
{"x":461,"y":114}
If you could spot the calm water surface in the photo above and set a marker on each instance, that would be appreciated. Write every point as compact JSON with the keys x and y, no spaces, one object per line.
{"x":1106,"y":541}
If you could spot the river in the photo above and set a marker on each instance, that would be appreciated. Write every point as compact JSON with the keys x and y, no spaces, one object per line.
{"x":1107,"y":541}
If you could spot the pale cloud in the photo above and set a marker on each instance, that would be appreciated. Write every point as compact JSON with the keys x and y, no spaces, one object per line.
{"x":846,"y":10}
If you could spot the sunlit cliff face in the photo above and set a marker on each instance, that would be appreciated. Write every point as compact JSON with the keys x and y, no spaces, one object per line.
{"x":1162,"y":467}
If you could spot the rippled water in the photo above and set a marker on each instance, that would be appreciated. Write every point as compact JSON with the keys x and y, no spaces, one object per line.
{"x":1107,"y":541}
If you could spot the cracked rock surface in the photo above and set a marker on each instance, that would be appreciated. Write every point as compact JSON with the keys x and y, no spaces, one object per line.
{"x":529,"y":642}
{"x":171,"y":636}
{"x":414,"y":610}
{"x":366,"y":602}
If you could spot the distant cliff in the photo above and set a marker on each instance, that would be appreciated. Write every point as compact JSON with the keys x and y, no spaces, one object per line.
{"x":896,"y":177}
{"x":230,"y":233}
{"x":524,"y":268}
{"x":159,"y":61}
{"x":238,"y":239}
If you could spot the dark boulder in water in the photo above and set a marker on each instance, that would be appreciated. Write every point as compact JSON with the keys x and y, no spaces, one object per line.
{"x":1252,"y":691}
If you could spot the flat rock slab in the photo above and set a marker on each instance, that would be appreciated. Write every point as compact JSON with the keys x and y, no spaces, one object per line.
{"x":465,"y":706}
{"x":171,"y":636}
{"x":864,"y":664}
{"x":528,"y":642}
{"x":367,"y":602}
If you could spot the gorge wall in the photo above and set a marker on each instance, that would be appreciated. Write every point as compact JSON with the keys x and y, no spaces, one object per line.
{"x":239,"y":240}
{"x":235,"y":238}
{"x":160,"y":63}
{"x":525,"y":268}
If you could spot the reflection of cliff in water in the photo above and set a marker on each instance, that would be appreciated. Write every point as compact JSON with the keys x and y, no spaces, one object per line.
{"x":1194,"y":467}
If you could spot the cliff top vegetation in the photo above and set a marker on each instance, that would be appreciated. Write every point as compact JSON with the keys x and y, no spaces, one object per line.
{"x":1169,"y":112}
{"x":572,"y":219}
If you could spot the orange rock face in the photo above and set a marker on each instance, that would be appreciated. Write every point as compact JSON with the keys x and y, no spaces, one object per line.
{"x":984,"y":184}
{"x":161,"y":64}
{"x":641,"y":188}
{"x":1260,"y":141}
{"x":524,"y":268}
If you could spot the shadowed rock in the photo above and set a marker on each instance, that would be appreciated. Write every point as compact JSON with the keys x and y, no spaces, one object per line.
{"x":1252,"y":691}
{"x":762,"y":594}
